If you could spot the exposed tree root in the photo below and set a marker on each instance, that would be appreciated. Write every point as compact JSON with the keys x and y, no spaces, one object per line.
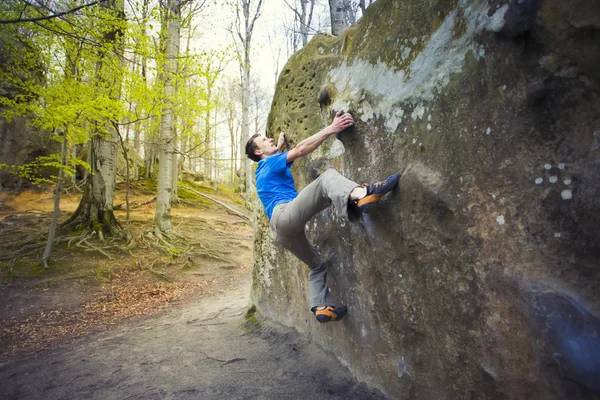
{"x":28,"y":249}
{"x":133,"y":205}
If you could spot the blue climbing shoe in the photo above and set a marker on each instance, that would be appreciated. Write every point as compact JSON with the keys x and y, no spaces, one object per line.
{"x":376,"y":191}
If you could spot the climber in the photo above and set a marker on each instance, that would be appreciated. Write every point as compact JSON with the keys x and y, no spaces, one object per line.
{"x":289,"y":211}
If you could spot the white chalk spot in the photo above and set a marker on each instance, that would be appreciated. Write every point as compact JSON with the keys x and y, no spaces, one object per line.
{"x":547,"y":166}
{"x":561,"y":166}
{"x":359,"y":169}
{"x":488,"y":131}
{"x":429,"y":117}
{"x":394,"y":119}
{"x":406,"y":52}
{"x":567,"y":181}
{"x":553,"y":179}
{"x":414,"y":141}
{"x":337,"y":149}
{"x":566,"y":194}
{"x":367,"y":112}
{"x":500,"y":220}
{"x":539,"y":181}
{"x":428,"y":127}
{"x":504,"y":87}
{"x":557,"y":234}
{"x":414,"y":40}
{"x":493,"y":196}
{"x":418,"y":112}
{"x":400,"y":276}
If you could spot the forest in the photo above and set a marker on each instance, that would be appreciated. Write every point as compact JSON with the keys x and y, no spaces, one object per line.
{"x":122,"y":120}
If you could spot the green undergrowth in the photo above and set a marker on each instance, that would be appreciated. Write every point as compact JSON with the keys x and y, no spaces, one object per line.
{"x":251,"y":323}
{"x":150,"y":186}
{"x":30,"y":269}
{"x":222,"y":190}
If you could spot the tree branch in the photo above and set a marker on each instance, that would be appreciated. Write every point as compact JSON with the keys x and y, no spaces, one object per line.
{"x":55,"y":15}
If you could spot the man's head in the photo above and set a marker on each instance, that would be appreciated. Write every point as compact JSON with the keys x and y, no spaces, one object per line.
{"x":259,"y":147}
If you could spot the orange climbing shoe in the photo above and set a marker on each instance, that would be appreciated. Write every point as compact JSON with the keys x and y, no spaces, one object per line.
{"x":330,"y":313}
{"x":376,"y":191}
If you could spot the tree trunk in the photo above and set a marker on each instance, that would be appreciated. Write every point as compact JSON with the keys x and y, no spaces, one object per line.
{"x":246,"y":40}
{"x":338,"y":16}
{"x":175,"y":167}
{"x":214,"y":161}
{"x":56,"y":212}
{"x":162,"y":218}
{"x":95,"y":211}
{"x":207,"y":134}
{"x":233,"y":141}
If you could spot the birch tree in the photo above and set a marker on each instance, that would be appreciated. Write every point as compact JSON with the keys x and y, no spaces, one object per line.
{"x":303,"y":16}
{"x":171,"y":34}
{"x":233,"y":126}
{"x":337,"y":10}
{"x":247,"y":12}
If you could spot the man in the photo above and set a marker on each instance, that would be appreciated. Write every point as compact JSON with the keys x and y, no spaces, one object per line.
{"x":289,"y":211}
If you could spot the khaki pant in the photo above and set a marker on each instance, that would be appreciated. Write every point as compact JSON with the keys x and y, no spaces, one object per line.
{"x":288,"y":221}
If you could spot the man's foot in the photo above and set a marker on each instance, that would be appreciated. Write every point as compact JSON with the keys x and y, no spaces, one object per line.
{"x":376,"y":191}
{"x":330,"y":313}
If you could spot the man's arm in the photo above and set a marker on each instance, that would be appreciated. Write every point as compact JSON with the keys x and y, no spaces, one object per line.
{"x":308,"y":145}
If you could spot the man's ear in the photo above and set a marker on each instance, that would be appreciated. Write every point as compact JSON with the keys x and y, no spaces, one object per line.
{"x":258,"y":152}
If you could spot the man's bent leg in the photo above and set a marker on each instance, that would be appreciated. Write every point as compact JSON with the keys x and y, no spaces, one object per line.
{"x":299,"y":246}
{"x":330,"y":187}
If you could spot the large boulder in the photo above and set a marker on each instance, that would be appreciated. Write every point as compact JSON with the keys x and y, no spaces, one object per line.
{"x":478,"y":278}
{"x":20,"y":143}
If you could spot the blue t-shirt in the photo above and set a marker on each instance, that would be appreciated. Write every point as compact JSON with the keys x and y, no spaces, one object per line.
{"x":274,"y":182}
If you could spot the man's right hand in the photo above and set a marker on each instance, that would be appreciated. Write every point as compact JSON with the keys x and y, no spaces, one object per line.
{"x":308,"y":145}
{"x":341,"y":121}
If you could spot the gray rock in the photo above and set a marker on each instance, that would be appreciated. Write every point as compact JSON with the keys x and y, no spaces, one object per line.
{"x":445,"y":281}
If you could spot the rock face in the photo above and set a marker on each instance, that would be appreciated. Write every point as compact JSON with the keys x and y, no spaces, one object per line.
{"x":20,"y":144}
{"x":479,"y":276}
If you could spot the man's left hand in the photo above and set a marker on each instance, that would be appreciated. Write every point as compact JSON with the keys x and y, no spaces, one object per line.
{"x":280,"y":141}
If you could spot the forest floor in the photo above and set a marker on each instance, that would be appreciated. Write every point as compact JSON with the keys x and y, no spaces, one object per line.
{"x":96,"y":283}
{"x":151,"y":321}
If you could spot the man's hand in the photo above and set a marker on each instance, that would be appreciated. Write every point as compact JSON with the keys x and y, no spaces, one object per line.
{"x":341,"y":122}
{"x":280,"y":142}
{"x":308,"y":145}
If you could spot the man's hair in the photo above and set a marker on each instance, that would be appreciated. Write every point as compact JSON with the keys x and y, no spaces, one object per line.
{"x":251,"y":147}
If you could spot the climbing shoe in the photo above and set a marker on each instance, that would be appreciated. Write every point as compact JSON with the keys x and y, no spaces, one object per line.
{"x":330,"y":313}
{"x":376,"y":191}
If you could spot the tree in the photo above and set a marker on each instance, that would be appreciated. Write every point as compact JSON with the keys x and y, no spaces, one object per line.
{"x":171,"y":34}
{"x":338,"y":16}
{"x":232,"y":96}
{"x":246,"y":16}
{"x":303,"y":15}
{"x":364,"y":4}
{"x":95,"y":211}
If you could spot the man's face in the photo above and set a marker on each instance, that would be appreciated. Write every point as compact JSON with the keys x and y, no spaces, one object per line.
{"x":266,"y":146}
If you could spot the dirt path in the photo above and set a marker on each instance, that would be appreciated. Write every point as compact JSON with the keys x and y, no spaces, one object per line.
{"x":148,"y":324}
{"x":202,"y":350}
